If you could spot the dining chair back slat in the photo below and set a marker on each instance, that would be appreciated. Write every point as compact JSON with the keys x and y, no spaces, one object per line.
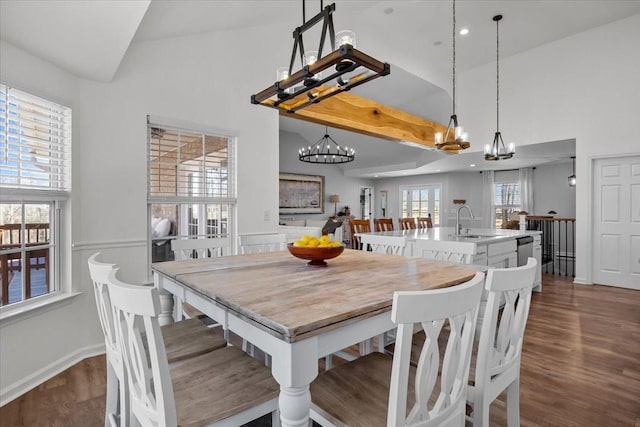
{"x":500,"y":344}
{"x":383,"y":224}
{"x":425,"y":222}
{"x":392,"y":245}
{"x":116,"y":381}
{"x":255,"y":243}
{"x":440,"y":250}
{"x":407,"y":223}
{"x":359,"y":226}
{"x":184,"y":249}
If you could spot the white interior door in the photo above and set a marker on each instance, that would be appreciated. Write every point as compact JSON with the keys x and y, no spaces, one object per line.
{"x":616,"y":240}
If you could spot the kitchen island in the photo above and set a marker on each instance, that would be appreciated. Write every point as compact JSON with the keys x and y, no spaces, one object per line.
{"x":495,"y":248}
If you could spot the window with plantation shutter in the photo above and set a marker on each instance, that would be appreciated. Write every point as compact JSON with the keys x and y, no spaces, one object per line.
{"x":35,"y":182}
{"x":191,"y":184}
{"x":35,"y":142}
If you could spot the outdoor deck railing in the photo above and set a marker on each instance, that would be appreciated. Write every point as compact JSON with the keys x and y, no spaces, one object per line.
{"x":36,"y":249}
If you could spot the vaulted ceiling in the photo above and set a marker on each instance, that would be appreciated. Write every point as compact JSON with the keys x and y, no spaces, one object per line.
{"x":90,"y":39}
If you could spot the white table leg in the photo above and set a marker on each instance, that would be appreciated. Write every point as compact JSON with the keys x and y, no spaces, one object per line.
{"x":295,"y":366}
{"x":166,"y":308}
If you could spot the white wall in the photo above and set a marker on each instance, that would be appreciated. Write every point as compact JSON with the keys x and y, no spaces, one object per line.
{"x":553,"y":191}
{"x":334,"y":180}
{"x":584,"y":87}
{"x":200,"y":79}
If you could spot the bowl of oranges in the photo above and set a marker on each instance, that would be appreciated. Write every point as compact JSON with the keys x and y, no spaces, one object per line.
{"x":315,"y":249}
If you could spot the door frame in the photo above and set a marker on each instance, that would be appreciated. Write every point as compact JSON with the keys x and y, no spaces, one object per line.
{"x":589,"y":193}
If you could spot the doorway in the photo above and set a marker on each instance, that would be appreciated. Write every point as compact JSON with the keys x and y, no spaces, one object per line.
{"x":366,"y":202}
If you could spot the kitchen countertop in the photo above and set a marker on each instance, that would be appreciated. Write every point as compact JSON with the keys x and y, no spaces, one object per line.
{"x":476,"y":235}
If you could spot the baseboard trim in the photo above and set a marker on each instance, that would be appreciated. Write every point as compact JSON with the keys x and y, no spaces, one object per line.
{"x":581,"y":281}
{"x":19,"y":388}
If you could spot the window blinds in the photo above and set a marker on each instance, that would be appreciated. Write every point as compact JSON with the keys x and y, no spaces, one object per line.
{"x":35,"y":142}
{"x":189,"y":165}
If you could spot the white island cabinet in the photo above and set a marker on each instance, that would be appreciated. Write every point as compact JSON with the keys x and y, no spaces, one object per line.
{"x":494,"y":248}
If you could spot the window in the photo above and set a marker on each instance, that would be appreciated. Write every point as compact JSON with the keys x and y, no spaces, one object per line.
{"x":507,"y":201}
{"x":421,"y":202}
{"x":35,"y":162}
{"x":191,"y":186}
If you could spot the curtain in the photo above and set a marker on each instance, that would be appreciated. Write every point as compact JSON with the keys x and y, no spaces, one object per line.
{"x":526,"y":190}
{"x":488,"y":200}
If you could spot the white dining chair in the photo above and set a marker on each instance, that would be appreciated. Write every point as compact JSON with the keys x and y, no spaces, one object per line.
{"x":377,"y":389}
{"x":221,"y":388}
{"x":184,"y":249}
{"x":392,"y":245}
{"x":441,"y":250}
{"x":258,"y":243}
{"x":255,"y":243}
{"x":184,"y":339}
{"x":497,"y":365}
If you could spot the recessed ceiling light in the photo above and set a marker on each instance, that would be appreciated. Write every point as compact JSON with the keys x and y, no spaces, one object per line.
{"x":464,"y":31}
{"x":472,"y":165}
{"x":437,"y":170}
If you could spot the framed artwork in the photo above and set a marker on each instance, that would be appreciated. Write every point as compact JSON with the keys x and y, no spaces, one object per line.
{"x":301,"y":194}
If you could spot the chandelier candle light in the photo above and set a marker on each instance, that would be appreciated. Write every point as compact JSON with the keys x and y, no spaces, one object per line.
{"x":459,"y":140}
{"x":497,"y":150}
{"x":328,"y":151}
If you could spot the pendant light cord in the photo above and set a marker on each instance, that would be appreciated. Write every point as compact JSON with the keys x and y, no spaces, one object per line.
{"x":453,"y":36}
{"x":497,"y":76}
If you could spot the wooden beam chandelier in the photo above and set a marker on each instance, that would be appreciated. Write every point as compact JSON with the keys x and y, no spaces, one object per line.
{"x":320,"y":77}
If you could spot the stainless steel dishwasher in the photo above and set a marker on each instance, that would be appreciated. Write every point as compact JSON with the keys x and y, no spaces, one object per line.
{"x":525,"y":249}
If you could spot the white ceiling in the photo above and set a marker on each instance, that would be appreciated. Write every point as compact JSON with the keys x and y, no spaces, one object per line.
{"x":90,"y":39}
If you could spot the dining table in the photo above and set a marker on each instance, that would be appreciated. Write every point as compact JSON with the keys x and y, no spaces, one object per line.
{"x":298,"y":313}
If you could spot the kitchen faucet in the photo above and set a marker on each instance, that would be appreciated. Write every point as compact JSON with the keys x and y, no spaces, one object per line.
{"x":458,"y":225}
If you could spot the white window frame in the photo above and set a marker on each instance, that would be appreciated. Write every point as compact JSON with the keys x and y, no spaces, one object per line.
{"x":57,"y":121}
{"x":203,"y":201}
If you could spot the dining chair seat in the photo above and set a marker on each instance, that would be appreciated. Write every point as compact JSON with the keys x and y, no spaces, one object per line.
{"x":182,"y":340}
{"x":378,"y":389}
{"x":226,"y":387}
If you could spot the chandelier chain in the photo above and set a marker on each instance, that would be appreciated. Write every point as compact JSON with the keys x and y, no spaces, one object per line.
{"x":453,"y":36}
{"x":497,"y":76}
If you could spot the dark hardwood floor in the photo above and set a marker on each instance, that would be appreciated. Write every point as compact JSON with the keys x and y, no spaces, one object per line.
{"x":580,"y":367}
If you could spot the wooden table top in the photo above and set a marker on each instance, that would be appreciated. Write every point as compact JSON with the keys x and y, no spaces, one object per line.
{"x":293,"y":301}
